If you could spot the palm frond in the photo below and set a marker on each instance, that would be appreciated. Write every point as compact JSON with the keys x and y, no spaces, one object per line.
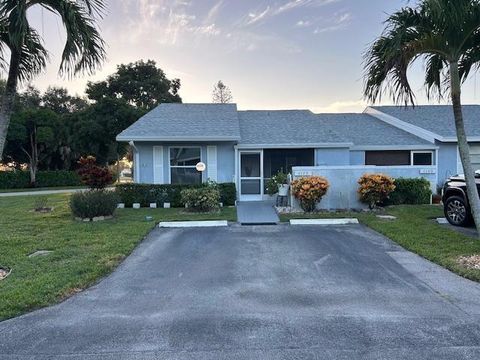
{"x":410,"y":34}
{"x":470,"y":58}
{"x":33,"y":56}
{"x":84,"y":49}
{"x":435,"y":76}
{"x":388,"y":59}
{"x":3,"y":44}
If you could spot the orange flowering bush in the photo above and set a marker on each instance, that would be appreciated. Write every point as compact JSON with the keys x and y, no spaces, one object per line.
{"x":375,"y":188}
{"x":309,"y":191}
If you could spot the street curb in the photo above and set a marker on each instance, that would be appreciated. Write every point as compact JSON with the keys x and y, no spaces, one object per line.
{"x":323,"y":221}
{"x":192,"y":224}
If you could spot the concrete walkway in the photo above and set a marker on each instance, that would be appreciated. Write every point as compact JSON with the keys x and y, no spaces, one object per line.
{"x":256,"y":213}
{"x":260,"y":292}
{"x":44,"y":192}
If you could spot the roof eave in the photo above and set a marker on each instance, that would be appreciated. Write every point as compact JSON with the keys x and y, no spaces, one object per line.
{"x":294,"y":146}
{"x":453,"y":139}
{"x":126,"y":138}
{"x":402,"y":125}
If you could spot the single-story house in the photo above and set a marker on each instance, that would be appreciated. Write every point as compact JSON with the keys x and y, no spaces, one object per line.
{"x":248,"y":147}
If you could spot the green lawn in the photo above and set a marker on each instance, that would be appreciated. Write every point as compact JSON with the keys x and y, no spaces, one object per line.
{"x":85,"y":252}
{"x":416,"y":230}
{"x":82,"y":252}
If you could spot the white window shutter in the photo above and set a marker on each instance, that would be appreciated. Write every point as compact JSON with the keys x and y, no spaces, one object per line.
{"x":158,"y":177}
{"x":212,"y":163}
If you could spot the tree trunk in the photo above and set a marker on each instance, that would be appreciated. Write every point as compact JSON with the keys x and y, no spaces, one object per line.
{"x":463,"y":146}
{"x":8,"y":99}
{"x":34,"y":157}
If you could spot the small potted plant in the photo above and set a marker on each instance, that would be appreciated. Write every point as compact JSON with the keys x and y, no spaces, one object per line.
{"x":278,"y":184}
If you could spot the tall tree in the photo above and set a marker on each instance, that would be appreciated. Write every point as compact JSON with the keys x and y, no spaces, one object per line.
{"x":60,"y":101}
{"x":141,"y":84}
{"x":221,"y":93}
{"x":96,"y":128}
{"x":32,"y":138}
{"x":446,"y":33}
{"x":83,"y":51}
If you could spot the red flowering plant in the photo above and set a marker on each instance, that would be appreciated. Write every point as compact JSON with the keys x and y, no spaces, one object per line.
{"x":375,"y":189}
{"x":309,"y":191}
{"x":93,"y":175}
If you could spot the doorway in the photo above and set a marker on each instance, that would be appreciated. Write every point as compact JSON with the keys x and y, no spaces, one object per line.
{"x":251,"y":175}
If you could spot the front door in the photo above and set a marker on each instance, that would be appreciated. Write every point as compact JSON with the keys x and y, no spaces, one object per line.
{"x":251,"y":176}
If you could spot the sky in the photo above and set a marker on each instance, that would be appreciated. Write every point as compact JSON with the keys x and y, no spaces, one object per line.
{"x":277,"y":54}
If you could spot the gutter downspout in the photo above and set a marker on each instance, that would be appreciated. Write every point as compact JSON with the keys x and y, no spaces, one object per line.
{"x":136,"y":163}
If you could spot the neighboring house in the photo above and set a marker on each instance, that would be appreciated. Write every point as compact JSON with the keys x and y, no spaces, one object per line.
{"x":248,"y":147}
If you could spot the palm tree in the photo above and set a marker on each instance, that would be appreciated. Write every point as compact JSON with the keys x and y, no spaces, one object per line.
{"x":83,"y":51}
{"x":446,"y":34}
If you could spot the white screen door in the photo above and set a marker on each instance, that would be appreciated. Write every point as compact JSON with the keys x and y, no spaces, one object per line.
{"x":251,"y":176}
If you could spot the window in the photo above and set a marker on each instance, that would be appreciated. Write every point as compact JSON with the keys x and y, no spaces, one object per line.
{"x":399,"y":158}
{"x":275,"y":160}
{"x":422,"y":158}
{"x":182,"y":165}
{"x":387,"y":158}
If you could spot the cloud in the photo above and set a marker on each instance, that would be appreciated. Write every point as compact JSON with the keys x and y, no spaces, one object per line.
{"x":342,"y":107}
{"x":258,"y":16}
{"x":303,"y":23}
{"x":209,"y":30}
{"x":169,"y":22}
{"x":339,"y":22}
{"x":213,"y":12}
{"x":292,"y":4}
{"x":242,"y":40}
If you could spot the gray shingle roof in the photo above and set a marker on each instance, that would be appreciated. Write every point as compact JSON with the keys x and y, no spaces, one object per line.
{"x":222,"y":122}
{"x":365,"y":130}
{"x":437,"y":119}
{"x":186,"y":122}
{"x":284,"y":127}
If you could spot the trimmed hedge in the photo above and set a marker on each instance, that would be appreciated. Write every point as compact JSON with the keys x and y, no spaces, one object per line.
{"x":410,"y":192}
{"x":149,"y":193}
{"x":93,"y":203}
{"x":202,"y":199}
{"x":21,"y":179}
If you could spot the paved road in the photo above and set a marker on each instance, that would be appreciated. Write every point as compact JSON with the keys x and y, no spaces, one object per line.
{"x":260,"y":293}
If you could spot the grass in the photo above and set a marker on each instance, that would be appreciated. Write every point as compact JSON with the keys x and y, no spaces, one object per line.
{"x":82,"y":252}
{"x":416,"y":230}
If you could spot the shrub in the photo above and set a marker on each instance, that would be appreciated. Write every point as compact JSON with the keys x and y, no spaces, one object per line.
{"x":228,"y":193}
{"x":148,"y":193}
{"x":21,"y":179}
{"x":278,"y":179}
{"x":93,"y":203}
{"x":92,"y":175}
{"x":375,"y":188}
{"x":411,"y":192}
{"x":202,"y":199}
{"x":309,"y":191}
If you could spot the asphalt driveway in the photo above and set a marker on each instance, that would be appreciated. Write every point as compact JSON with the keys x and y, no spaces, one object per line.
{"x":260,"y":293}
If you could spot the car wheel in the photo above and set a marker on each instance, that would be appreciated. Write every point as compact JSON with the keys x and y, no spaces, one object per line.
{"x":457,"y":212}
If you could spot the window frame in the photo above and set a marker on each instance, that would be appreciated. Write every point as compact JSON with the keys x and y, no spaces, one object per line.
{"x":413,"y":152}
{"x":406,"y":153}
{"x":170,"y":166}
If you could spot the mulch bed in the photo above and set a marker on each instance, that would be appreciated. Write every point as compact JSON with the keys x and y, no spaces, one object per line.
{"x":470,"y":262}
{"x":4,"y":273}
